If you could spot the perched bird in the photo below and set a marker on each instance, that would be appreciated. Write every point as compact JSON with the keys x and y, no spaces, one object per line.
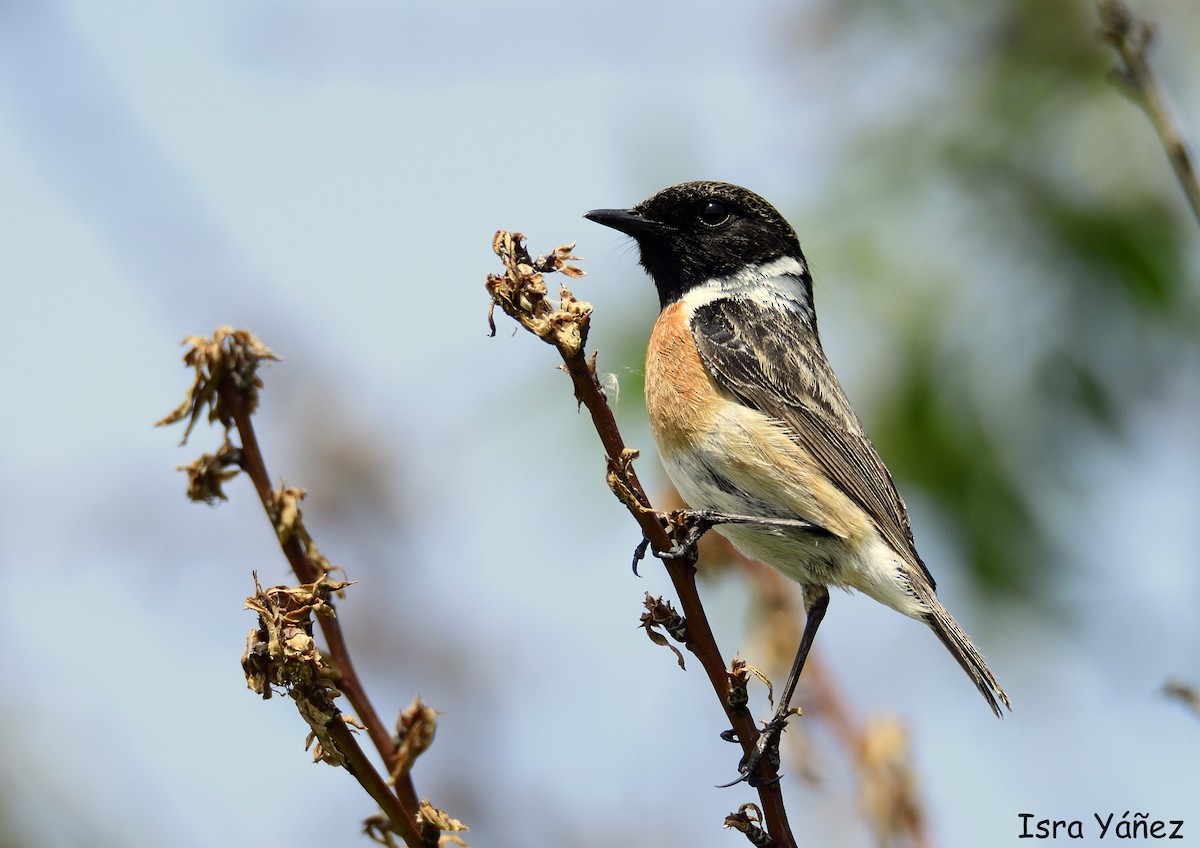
{"x":750,"y":419}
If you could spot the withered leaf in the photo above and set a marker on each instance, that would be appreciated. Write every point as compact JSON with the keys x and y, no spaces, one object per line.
{"x":443,"y":822}
{"x":229,"y":353}
{"x":521,"y":292}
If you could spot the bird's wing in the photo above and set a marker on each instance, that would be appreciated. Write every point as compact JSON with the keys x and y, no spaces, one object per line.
{"x":771,"y":361}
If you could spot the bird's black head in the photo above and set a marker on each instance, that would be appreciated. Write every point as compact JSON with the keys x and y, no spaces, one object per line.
{"x":699,"y":231}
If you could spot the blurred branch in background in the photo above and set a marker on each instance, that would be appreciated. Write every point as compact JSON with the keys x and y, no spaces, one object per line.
{"x":280,"y":652}
{"x":1131,"y":36}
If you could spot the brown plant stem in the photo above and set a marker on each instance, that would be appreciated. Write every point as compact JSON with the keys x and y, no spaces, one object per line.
{"x":1131,"y":37}
{"x":404,"y":800}
{"x":701,"y":641}
{"x":359,"y":765}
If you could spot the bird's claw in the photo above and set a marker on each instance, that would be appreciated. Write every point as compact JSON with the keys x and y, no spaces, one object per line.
{"x":639,"y":553}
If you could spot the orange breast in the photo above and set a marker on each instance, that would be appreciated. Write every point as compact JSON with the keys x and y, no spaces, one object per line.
{"x":680,"y":394}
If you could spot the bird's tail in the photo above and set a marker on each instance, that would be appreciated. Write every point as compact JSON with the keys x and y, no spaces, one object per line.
{"x":968,"y":656}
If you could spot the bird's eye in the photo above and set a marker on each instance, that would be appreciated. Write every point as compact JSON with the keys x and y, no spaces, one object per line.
{"x":714,"y":214}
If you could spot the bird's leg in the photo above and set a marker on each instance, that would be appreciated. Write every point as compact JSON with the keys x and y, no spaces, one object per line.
{"x":694,"y":523}
{"x":816,"y":601}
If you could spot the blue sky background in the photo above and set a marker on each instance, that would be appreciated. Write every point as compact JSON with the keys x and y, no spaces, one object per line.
{"x":331,"y":177}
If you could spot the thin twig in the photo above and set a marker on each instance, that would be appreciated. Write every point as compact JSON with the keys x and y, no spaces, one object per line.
{"x":1131,"y":37}
{"x":348,"y":679}
{"x":521,"y":294}
{"x":359,"y":765}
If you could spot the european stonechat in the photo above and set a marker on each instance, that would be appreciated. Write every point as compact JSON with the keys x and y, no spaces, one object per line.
{"x":750,"y":419}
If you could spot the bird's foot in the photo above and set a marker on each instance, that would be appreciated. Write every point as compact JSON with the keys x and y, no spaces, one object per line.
{"x":764,"y":759}
{"x":685,"y":527}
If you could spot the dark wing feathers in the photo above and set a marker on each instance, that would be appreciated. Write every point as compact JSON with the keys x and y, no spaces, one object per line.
{"x":770,"y":360}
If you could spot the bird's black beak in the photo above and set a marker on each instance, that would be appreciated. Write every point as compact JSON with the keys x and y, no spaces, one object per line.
{"x":627,"y":221}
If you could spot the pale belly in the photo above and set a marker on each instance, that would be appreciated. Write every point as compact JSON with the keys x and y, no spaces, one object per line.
{"x":747,"y":464}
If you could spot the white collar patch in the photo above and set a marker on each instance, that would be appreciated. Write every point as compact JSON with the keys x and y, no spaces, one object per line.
{"x":778,"y":283}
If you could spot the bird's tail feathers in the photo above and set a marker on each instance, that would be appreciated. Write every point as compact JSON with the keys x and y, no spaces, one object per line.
{"x":968,"y":656}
